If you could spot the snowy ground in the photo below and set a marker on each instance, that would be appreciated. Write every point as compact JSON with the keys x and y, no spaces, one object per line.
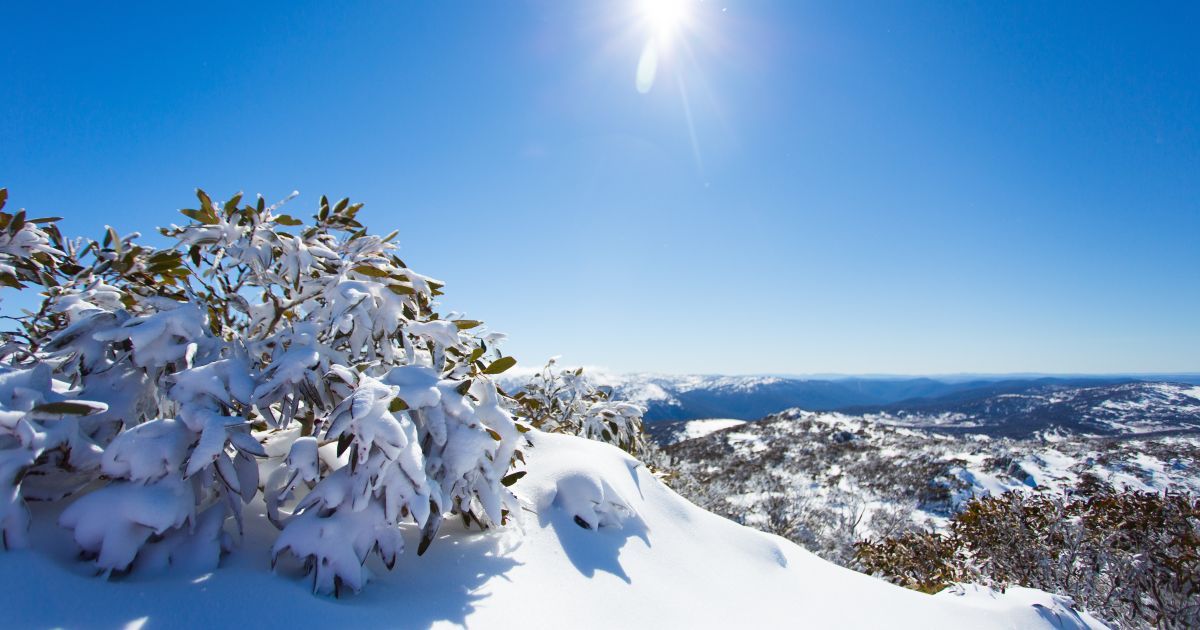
{"x":659,"y":561}
{"x":671,"y":432}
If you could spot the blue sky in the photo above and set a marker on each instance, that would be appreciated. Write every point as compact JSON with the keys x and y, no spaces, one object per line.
{"x":900,"y":187}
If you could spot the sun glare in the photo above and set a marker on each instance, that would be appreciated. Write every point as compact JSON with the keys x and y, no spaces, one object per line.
{"x":665,"y":16}
{"x":663,"y":20}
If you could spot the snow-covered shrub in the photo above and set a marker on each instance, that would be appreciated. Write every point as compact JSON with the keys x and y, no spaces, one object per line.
{"x":257,"y":358}
{"x":564,"y":401}
{"x":1131,"y":557}
{"x":922,"y":561}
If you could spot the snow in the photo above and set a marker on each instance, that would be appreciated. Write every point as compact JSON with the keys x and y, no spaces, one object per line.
{"x":753,"y":441}
{"x":700,"y":428}
{"x":648,"y":558}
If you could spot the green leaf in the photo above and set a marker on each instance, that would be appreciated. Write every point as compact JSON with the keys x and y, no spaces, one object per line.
{"x":500,"y":365}
{"x":400,"y":289}
{"x":9,"y":280}
{"x":509,"y":480}
{"x":424,"y":545}
{"x":231,"y":205}
{"x":18,"y":222}
{"x":323,"y":213}
{"x":68,"y":408}
{"x":495,"y":435}
{"x":161,"y":267}
{"x":467,"y":324}
{"x":207,"y":218}
{"x":288,"y":220}
{"x":397,"y":404}
{"x":160,"y":256}
{"x":44,"y":220}
{"x":206,"y":203}
{"x":429,"y":531}
{"x":463,"y":387}
{"x":3,"y":197}
{"x":368,"y":270}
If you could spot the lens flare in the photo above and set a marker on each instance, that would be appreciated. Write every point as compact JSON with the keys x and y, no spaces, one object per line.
{"x":647,"y":68}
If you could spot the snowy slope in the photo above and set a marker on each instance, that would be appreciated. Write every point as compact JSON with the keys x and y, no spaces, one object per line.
{"x":852,"y":469}
{"x":665,"y":433}
{"x":662,"y":562}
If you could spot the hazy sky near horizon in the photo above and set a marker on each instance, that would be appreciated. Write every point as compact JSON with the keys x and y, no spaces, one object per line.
{"x":806,"y":187}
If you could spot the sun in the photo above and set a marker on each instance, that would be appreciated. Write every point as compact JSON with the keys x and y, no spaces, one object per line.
{"x":665,"y":17}
{"x":667,"y":25}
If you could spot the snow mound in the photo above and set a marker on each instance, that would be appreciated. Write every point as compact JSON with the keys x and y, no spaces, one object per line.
{"x":601,"y":543}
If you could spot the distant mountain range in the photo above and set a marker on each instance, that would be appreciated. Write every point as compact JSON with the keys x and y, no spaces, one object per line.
{"x":1123,"y":409}
{"x":668,"y":397}
{"x":1010,"y":406}
{"x":1106,"y":410}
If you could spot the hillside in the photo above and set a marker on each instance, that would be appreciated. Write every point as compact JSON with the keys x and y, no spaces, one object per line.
{"x":659,"y":561}
{"x":848,"y":477}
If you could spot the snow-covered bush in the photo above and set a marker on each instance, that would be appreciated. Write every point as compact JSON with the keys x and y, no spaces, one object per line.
{"x":1131,"y":557}
{"x":256,"y":358}
{"x":922,"y":561}
{"x":563,"y":401}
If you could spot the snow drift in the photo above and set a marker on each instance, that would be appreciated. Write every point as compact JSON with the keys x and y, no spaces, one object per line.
{"x":600,"y":543}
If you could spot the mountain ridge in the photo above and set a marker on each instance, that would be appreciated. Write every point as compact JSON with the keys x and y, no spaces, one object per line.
{"x":690,"y":397}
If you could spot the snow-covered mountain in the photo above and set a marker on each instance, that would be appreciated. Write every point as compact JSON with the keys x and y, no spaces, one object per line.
{"x":694,"y":396}
{"x":1126,"y":408}
{"x":688,"y":397}
{"x":601,"y":544}
{"x":678,"y":397}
